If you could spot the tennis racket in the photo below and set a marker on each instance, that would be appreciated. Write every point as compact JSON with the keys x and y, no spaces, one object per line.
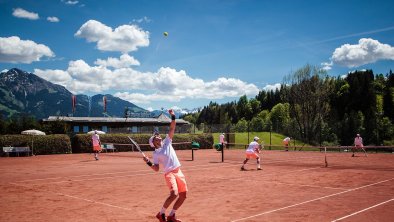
{"x":137,"y":146}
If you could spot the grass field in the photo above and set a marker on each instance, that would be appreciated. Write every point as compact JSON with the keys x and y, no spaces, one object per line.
{"x":266,"y":138}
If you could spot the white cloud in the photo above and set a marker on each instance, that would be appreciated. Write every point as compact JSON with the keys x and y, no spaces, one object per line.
{"x":327,"y":65}
{"x":70,"y":2}
{"x":124,"y":62}
{"x":53,"y":19}
{"x":125,"y":38}
{"x":143,"y":19}
{"x":21,"y":13}
{"x":150,"y":109}
{"x":365,"y":52}
{"x":15,"y":50}
{"x":272,"y":87}
{"x":57,"y":76}
{"x":166,"y":84}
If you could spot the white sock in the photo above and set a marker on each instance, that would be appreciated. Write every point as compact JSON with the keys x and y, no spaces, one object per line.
{"x":163,"y":210}
{"x":172,"y":212}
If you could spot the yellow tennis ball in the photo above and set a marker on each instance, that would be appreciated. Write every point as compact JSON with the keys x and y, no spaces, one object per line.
{"x":165,"y":33}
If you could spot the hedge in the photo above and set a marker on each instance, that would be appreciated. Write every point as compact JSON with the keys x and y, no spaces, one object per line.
{"x":48,"y":144}
{"x":82,"y":143}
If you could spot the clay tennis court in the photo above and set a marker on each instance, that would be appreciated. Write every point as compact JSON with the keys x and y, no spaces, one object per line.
{"x":293,"y":186}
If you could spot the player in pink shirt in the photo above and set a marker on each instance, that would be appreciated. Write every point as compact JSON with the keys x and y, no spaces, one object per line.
{"x":165,"y":156}
{"x":222,"y":141}
{"x":358,"y":144}
{"x":286,"y":142}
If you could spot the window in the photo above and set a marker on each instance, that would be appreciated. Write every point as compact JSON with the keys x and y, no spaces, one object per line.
{"x":104,"y":129}
{"x":134,"y":129}
{"x":85,"y":129}
{"x":76,"y":129}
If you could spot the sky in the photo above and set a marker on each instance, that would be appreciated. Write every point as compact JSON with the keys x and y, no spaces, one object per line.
{"x":215,"y":50}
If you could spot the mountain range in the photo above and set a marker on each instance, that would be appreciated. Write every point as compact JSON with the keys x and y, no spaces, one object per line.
{"x":23,"y":92}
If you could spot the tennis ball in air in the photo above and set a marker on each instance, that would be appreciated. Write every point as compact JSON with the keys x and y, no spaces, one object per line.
{"x":165,"y":34}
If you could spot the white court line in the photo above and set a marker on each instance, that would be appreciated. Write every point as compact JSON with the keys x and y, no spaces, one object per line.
{"x":84,"y":199}
{"x":193,"y":166}
{"x":362,"y":210}
{"x":306,"y":185}
{"x":96,"y":174}
{"x":185,"y":169}
{"x":132,"y":175}
{"x":83,"y":175}
{"x":305,"y":202}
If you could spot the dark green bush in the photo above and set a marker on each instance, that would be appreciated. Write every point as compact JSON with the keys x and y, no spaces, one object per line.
{"x":48,"y":144}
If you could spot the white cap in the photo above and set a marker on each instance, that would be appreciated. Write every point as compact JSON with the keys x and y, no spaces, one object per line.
{"x":358,"y":134}
{"x":256,"y":138}
{"x":95,"y":132}
{"x":151,"y":141}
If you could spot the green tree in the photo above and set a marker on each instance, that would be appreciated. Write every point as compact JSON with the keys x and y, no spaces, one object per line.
{"x":280,"y":117}
{"x":308,"y":93}
{"x":241,"y":126}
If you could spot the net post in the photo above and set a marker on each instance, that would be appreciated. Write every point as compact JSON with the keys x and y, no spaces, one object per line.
{"x":222,"y":152}
{"x":192,"y":154}
{"x":325,"y":157}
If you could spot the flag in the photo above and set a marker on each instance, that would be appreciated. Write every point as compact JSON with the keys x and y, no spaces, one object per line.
{"x":74,"y":102}
{"x":105,"y":103}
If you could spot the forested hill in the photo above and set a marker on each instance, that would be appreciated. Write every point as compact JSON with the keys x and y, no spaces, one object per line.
{"x":314,"y":108}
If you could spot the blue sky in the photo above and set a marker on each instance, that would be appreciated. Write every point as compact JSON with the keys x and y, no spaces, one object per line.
{"x":215,"y":50}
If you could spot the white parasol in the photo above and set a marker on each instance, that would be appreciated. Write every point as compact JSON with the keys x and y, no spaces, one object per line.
{"x":33,"y":132}
{"x":98,"y":132}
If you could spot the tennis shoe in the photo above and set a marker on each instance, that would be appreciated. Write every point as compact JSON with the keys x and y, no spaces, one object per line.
{"x":259,"y":168}
{"x":161,"y":217}
{"x":172,"y":219}
{"x":353,"y":155}
{"x":243,"y":169}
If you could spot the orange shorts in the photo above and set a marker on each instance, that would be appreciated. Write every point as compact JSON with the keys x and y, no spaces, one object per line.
{"x":252,"y":155}
{"x":176,"y":181}
{"x":97,"y":148}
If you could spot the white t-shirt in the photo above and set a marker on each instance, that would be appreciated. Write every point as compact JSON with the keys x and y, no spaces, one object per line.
{"x":166,"y":156}
{"x":252,"y":147}
{"x":286,"y":140}
{"x":221,"y":138}
{"x":96,"y":140}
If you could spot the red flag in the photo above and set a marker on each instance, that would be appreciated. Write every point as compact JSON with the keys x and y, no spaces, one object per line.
{"x":105,"y":103}
{"x":74,"y":102}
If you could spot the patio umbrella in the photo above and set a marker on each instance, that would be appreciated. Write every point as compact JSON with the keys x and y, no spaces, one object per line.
{"x":33,"y":132}
{"x":98,"y":132}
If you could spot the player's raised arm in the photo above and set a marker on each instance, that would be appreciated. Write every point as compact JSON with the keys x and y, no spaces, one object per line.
{"x":173,"y":123}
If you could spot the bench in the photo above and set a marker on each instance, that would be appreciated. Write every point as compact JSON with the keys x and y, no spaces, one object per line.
{"x":17,"y":150}
{"x":108,"y":146}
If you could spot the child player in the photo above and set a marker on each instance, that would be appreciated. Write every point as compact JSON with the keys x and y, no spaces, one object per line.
{"x":96,"y":145}
{"x":165,"y":156}
{"x":253,"y":152}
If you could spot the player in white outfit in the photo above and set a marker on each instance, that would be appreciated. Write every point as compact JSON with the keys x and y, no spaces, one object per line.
{"x":253,"y":151}
{"x":165,"y":155}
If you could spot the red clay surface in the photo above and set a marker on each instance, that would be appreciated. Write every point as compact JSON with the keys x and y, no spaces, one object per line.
{"x":293,"y":186}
